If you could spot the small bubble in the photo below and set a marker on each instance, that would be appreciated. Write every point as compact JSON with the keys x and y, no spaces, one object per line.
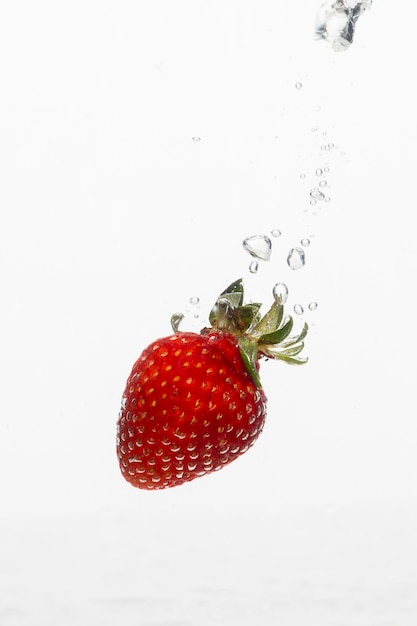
{"x":305,"y":242}
{"x":319,"y":171}
{"x":327,"y":199}
{"x":276,"y":232}
{"x":302,"y":175}
{"x":280,"y":293}
{"x":313,"y":306}
{"x":327,"y":169}
{"x":196,"y":138}
{"x":316,"y":194}
{"x":298,"y":85}
{"x":323,"y":183}
{"x":194,"y":300}
{"x":314,"y":129}
{"x":296,"y":258}
{"x":258,"y":246}
{"x":313,"y":202}
{"x":298,"y":309}
{"x":253,"y":267}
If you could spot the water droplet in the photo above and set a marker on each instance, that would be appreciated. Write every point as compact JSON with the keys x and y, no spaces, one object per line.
{"x":316,"y":194}
{"x":298,"y":85}
{"x":275,"y":232}
{"x":296,"y":258}
{"x":313,"y":306}
{"x":258,"y":246}
{"x":280,"y":293}
{"x":253,"y":267}
{"x":319,"y":171}
{"x":196,"y":138}
{"x":194,"y":300}
{"x":305,"y":242}
{"x":298,"y":309}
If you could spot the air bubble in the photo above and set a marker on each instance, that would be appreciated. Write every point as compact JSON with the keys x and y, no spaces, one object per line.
{"x":298,"y":85}
{"x":194,"y":300}
{"x":276,"y":232}
{"x":258,"y":246}
{"x":313,"y":306}
{"x":319,"y":171}
{"x":316,"y":194}
{"x":305,"y":242}
{"x":253,"y":267}
{"x":298,"y":309}
{"x":280,"y":293}
{"x":296,"y":258}
{"x":323,"y":183}
{"x":196,"y":138}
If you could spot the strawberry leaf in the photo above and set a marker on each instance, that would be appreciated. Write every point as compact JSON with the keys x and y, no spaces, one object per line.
{"x":249,"y":354}
{"x":245,"y":316}
{"x":270,"y":322}
{"x":279,"y":335}
{"x":234,"y":293}
{"x":176,"y":320}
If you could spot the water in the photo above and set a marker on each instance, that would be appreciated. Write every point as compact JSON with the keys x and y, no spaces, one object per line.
{"x":336,"y":21}
{"x":340,"y":566}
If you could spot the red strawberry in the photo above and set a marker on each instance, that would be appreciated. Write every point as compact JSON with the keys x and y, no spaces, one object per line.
{"x":194,"y":402}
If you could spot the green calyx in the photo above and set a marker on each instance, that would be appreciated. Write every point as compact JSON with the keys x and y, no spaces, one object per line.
{"x":258,"y":336}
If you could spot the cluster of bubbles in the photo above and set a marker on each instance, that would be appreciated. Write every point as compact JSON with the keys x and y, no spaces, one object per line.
{"x":317,"y":192}
{"x":260,"y":248}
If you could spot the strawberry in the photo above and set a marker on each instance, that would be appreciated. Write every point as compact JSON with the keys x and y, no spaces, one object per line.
{"x":194,"y":402}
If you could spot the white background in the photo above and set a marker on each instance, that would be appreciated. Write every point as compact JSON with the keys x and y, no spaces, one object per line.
{"x":113,"y":215}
